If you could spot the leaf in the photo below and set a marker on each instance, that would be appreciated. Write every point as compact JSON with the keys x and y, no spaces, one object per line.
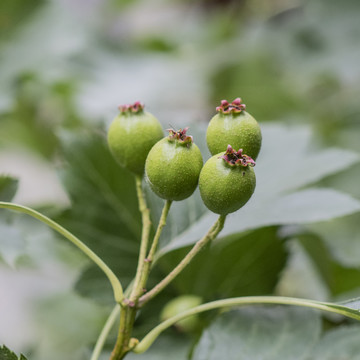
{"x":341,"y":281}
{"x":340,"y":343}
{"x":238,"y":265}
{"x":15,"y":13}
{"x":301,"y":276}
{"x":276,"y":333}
{"x":276,"y":201}
{"x":342,"y":237}
{"x":67,"y":323}
{"x":177,"y":344}
{"x":104,"y":212}
{"x":352,"y":303}
{"x":37,"y":110}
{"x":8,"y":187}
{"x":6,"y":354}
{"x":260,"y":333}
{"x":12,"y":243}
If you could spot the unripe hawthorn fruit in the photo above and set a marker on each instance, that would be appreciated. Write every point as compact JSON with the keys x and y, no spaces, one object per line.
{"x":173,"y":166}
{"x":131,"y":136}
{"x":227,"y":181}
{"x":179,"y":305}
{"x":233,"y":125}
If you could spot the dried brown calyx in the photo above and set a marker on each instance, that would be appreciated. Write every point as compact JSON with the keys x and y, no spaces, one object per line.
{"x":235,"y":107}
{"x":237,"y":158}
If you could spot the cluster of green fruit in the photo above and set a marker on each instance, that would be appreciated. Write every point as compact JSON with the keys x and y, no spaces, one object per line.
{"x":173,"y":165}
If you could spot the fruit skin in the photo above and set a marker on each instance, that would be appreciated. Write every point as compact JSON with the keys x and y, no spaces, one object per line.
{"x":131,"y":136}
{"x":225,"y":188}
{"x":172,"y":168}
{"x":178,"y":305}
{"x":236,"y":127}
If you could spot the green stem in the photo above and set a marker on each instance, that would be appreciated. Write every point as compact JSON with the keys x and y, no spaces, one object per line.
{"x":105,"y":332}
{"x":148,"y":261}
{"x":146,"y":227}
{"x":108,"y":326}
{"x":162,"y":223}
{"x":211,"y":234}
{"x":116,"y":285}
{"x":128,"y":312}
{"x":147,"y":341}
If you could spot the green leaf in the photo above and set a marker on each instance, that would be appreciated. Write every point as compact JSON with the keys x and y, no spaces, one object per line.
{"x":260,"y":333}
{"x":282,"y":168}
{"x":6,"y":354}
{"x":68,"y":324}
{"x":342,"y":237}
{"x":12,"y":242}
{"x":340,"y":343}
{"x":341,"y":281}
{"x":238,"y":265}
{"x":276,"y":333}
{"x":104,"y":212}
{"x":15,"y":12}
{"x":177,"y":344}
{"x":301,"y":276}
{"x":8,"y":187}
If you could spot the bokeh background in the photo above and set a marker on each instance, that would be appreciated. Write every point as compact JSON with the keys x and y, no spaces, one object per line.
{"x":65,"y":67}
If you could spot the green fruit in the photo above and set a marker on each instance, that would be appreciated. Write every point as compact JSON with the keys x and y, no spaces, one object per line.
{"x":131,"y":136}
{"x":178,"y":305}
{"x":227,"y":181}
{"x":233,"y":125}
{"x":173,"y":166}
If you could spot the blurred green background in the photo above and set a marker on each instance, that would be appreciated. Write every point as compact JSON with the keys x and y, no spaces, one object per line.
{"x":65,"y":67}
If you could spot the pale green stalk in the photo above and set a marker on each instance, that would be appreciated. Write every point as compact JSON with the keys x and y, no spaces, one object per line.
{"x":147,"y":341}
{"x":146,"y":227}
{"x":116,"y":285}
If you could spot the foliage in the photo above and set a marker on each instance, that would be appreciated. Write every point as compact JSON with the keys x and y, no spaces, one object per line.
{"x":64,"y":73}
{"x":6,"y":354}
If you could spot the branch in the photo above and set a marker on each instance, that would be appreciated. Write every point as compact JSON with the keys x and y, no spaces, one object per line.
{"x":116,"y":285}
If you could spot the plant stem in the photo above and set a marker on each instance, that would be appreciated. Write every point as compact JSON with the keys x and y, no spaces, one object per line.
{"x":105,"y":332}
{"x":148,"y":261}
{"x":108,"y":326}
{"x":128,"y":312}
{"x":146,"y":342}
{"x":162,"y":223}
{"x":116,"y":285}
{"x":211,"y":234}
{"x":146,"y":227}
{"x":127,"y":318}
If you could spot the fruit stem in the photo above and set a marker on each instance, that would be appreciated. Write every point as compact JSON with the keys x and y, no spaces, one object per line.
{"x":211,"y":234}
{"x":146,"y":227}
{"x":144,"y":271}
{"x":116,"y":285}
{"x":162,"y":223}
{"x":124,"y":342}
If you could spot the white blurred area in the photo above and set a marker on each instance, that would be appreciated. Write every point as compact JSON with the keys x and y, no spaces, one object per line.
{"x":38,"y":181}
